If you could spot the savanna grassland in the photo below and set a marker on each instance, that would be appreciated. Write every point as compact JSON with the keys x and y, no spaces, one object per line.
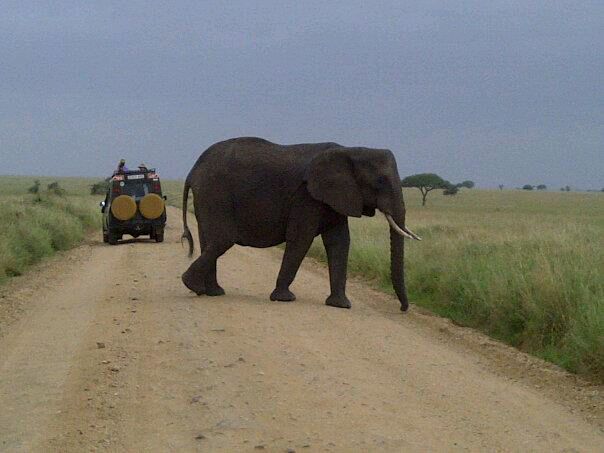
{"x":34,"y":226}
{"x":524,"y":267}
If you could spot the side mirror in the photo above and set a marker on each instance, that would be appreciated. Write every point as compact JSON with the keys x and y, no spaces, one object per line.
{"x":165,"y":197}
{"x":102,"y":204}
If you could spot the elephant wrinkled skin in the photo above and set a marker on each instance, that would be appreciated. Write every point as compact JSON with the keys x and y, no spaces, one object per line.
{"x":252,"y":192}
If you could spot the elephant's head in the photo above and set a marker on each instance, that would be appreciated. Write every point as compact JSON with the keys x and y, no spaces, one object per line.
{"x":356,"y":182}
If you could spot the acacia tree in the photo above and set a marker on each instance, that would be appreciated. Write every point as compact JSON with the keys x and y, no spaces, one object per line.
{"x":425,"y":182}
{"x":467,"y":184}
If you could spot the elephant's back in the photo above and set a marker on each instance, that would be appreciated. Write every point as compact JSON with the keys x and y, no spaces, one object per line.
{"x":251,"y":181}
{"x":250,"y":161}
{"x":254,"y":165}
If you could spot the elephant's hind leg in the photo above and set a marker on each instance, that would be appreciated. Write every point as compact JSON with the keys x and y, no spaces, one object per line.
{"x":201,"y":275}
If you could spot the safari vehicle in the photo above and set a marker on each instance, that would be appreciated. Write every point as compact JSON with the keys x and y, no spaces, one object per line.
{"x":134,"y":205}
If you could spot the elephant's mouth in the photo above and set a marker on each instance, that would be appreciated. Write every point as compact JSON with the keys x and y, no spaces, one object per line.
{"x":368,"y":211}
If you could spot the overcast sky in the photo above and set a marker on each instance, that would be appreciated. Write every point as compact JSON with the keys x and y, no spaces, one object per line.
{"x":508,"y":92}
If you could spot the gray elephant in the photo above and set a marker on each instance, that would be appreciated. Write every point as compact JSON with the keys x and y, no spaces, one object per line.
{"x":252,"y":192}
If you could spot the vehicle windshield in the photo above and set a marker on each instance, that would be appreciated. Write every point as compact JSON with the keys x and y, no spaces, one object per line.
{"x":136,"y":189}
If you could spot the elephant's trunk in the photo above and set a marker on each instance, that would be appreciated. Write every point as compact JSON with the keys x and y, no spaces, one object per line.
{"x":397,"y":253}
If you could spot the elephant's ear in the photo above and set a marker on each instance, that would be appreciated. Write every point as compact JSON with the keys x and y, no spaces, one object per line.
{"x":330,"y":179}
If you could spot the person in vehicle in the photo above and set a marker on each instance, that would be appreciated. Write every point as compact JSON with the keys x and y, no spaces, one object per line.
{"x":121,"y":167}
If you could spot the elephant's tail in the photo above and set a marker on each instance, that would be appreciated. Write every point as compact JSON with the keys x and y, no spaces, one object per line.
{"x":186,"y":233}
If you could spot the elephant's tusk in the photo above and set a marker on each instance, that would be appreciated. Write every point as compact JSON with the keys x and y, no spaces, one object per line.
{"x":403,"y":232}
{"x":415,"y":236}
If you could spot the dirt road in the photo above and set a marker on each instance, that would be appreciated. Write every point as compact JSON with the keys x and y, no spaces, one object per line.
{"x":107,"y":350}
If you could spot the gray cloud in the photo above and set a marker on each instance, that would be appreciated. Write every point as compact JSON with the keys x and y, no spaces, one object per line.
{"x":499,"y":92}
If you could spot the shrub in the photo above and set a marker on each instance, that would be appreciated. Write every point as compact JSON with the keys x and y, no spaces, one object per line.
{"x":35,"y":189}
{"x":55,"y":188}
{"x":100,"y":188}
{"x":451,"y":190}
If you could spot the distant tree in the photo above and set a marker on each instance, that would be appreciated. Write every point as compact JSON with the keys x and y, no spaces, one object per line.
{"x":567,"y":188}
{"x":55,"y":188}
{"x":541,"y":187}
{"x":467,"y":184}
{"x":35,"y":189}
{"x":500,"y":186}
{"x":527,"y":187}
{"x":602,"y":190}
{"x":425,"y":182}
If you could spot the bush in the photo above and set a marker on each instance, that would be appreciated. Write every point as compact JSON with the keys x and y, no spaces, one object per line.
{"x":100,"y":188}
{"x":55,"y":188}
{"x":35,"y":189}
{"x":451,"y":190}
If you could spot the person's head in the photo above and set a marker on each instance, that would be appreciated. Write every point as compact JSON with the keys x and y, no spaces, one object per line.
{"x":122,"y":162}
{"x":142,"y":166}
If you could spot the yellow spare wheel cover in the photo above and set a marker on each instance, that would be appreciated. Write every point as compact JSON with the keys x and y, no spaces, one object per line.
{"x":123,"y":207}
{"x":151,"y":206}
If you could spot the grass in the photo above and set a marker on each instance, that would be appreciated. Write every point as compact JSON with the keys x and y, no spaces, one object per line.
{"x":526,"y":268}
{"x":32,"y":227}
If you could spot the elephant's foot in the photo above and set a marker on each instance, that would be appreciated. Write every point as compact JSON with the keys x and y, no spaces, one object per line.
{"x":214,"y":290}
{"x":338,"y":301}
{"x":283,"y":295}
{"x":193,"y":284}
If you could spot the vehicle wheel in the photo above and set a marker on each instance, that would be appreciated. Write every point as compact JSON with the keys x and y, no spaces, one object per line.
{"x":105,"y":237}
{"x":112,"y":238}
{"x":159,"y":236}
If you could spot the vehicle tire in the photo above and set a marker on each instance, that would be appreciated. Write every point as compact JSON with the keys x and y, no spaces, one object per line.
{"x":152,"y":206}
{"x":112,"y":238}
{"x":105,"y":237}
{"x":159,"y":236}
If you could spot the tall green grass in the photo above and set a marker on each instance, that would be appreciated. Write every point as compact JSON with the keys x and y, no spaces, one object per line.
{"x":527,"y":269}
{"x":32,"y":227}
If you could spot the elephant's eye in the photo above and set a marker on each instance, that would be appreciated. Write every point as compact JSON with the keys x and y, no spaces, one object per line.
{"x":380,"y":181}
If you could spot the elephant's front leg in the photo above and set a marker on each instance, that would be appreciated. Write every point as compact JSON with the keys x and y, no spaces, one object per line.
{"x":337,"y":243}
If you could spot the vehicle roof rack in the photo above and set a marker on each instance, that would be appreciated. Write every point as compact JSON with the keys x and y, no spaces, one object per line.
{"x":148,"y":173}
{"x":138,"y":172}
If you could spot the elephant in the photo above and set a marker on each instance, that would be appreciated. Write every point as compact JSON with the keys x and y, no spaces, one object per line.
{"x":252,"y":192}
